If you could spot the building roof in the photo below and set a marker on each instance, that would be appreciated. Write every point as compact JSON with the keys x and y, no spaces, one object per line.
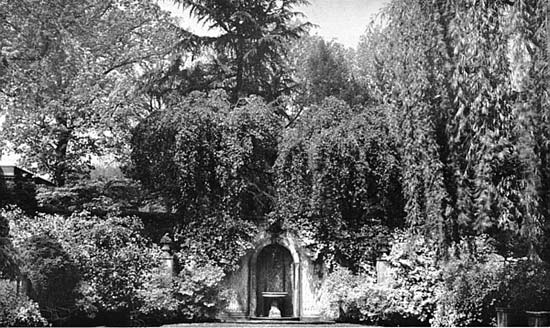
{"x":12,"y":172}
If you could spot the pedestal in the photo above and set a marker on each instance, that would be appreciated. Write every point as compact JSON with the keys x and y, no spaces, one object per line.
{"x":274,"y":299}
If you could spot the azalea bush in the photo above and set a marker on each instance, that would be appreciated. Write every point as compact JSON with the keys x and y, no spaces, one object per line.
{"x":190,"y":296}
{"x":340,"y":291}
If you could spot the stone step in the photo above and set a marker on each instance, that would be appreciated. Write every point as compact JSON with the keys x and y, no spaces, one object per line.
{"x":266,"y":324}
{"x":285,"y":321}
{"x":275,"y":319}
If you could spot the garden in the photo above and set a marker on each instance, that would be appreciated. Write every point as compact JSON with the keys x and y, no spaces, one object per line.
{"x":425,"y":149}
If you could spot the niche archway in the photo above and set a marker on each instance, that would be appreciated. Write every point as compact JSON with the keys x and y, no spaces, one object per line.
{"x":274,"y":270}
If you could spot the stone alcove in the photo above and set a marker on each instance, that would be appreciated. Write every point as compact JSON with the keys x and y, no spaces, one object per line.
{"x":274,"y":268}
{"x":278,"y":266}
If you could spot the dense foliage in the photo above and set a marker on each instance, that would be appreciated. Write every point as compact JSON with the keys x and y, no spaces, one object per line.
{"x":323,"y":69}
{"x":466,"y":86}
{"x":213,"y":163}
{"x":338,"y":182}
{"x":463,"y":292}
{"x":206,"y":157}
{"x":433,"y":137}
{"x":408,"y":298}
{"x":193,"y":295}
{"x":96,"y":196}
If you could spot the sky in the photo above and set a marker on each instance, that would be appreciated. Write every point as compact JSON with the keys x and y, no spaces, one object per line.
{"x":342,"y":20}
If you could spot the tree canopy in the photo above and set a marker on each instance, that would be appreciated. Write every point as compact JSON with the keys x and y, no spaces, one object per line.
{"x":69,"y":71}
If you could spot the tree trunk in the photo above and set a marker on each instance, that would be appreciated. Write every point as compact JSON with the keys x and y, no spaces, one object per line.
{"x":240,"y":72}
{"x":60,"y":166}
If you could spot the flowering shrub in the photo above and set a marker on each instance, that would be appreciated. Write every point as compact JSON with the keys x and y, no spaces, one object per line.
{"x":114,"y":259}
{"x":474,"y":286}
{"x":340,"y":292}
{"x":111,"y":255}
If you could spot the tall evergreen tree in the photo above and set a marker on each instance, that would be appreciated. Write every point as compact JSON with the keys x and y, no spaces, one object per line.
{"x":250,"y":51}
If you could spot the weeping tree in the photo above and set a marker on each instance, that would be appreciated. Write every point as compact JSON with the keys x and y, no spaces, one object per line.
{"x":338,"y":182}
{"x":466,"y":84}
{"x":213,"y":164}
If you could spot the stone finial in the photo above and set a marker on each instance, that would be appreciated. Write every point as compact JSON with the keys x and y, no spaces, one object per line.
{"x":166,"y":243}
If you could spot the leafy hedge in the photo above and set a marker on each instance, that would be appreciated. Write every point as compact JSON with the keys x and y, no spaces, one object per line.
{"x":53,"y":276}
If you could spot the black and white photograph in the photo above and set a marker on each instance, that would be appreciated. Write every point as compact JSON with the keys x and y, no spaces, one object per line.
{"x":274,"y":163}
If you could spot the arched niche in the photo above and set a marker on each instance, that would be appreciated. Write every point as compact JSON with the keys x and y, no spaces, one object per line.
{"x":275,"y":267}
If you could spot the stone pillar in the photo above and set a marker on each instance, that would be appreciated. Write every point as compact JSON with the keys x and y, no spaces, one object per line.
{"x":310,"y":310}
{"x":23,"y":285}
{"x":383,"y":266}
{"x":383,"y":271}
{"x":503,"y":317}
{"x":167,"y":257}
{"x":236,"y":287}
{"x":538,"y":318}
